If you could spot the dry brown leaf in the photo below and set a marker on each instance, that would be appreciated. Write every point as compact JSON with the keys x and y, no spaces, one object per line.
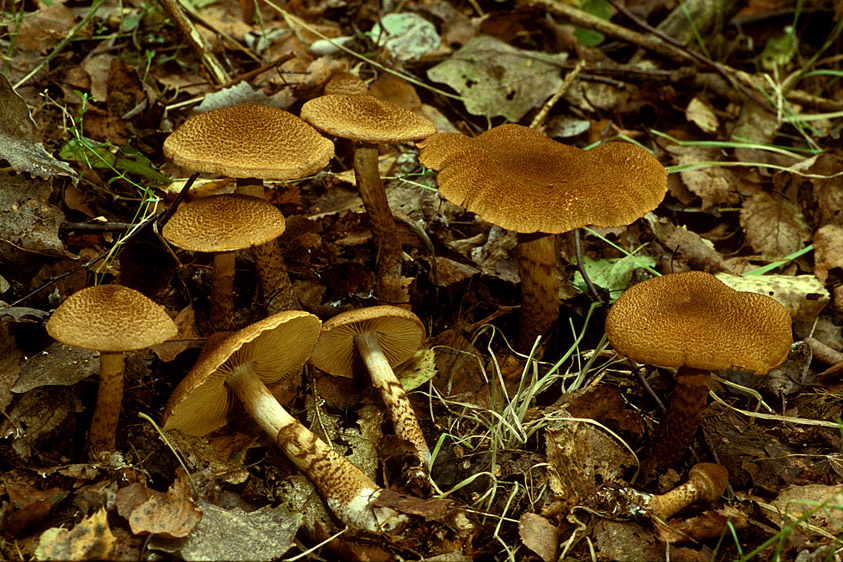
{"x":828,"y":250}
{"x":714,"y":185}
{"x":172,"y":515}
{"x":186,"y":324}
{"x":793,"y":502}
{"x":539,"y":535}
{"x":701,"y":113}
{"x":774,"y":227}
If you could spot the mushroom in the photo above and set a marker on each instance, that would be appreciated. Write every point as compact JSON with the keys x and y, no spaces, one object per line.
{"x":521,"y":180}
{"x":375,"y":339}
{"x":242,"y":364}
{"x":110,"y":319}
{"x":694,"y":322}
{"x":706,"y":483}
{"x":253,"y":143}
{"x":222,"y":224}
{"x":369,"y":121}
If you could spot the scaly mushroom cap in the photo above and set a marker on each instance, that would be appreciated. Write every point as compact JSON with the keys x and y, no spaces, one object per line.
{"x":365,"y":118}
{"x":223,"y":223}
{"x":110,"y":318}
{"x":401,"y":333}
{"x":276,"y":346}
{"x":521,"y":180}
{"x":343,"y":82}
{"x":249,"y":141}
{"x":694,"y":320}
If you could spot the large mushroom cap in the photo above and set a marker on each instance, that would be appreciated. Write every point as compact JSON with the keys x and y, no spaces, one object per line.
{"x":401,"y":333}
{"x":365,"y":118}
{"x":521,"y":180}
{"x":110,"y":318}
{"x":249,"y":141}
{"x":223,"y":223}
{"x":276,"y":346}
{"x":694,"y":320}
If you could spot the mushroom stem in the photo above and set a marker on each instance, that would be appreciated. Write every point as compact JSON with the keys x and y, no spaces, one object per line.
{"x":388,"y":286}
{"x":222,"y":292}
{"x":346,"y":489}
{"x":539,"y":289}
{"x":272,"y":273}
{"x":706,"y":482}
{"x":103,"y":433}
{"x":682,"y":417}
{"x":384,"y":380}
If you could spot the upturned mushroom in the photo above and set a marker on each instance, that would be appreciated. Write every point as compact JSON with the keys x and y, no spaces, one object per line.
{"x":521,"y":180}
{"x":253,"y":143}
{"x":223,"y":224}
{"x":242,"y":364}
{"x":368,"y":122}
{"x":374,"y":340}
{"x":110,"y":319}
{"x":695,"y":323}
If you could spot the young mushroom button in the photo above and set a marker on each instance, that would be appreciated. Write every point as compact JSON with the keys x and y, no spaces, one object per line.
{"x":253,"y":143}
{"x":521,"y":180}
{"x":110,"y":319}
{"x":242,"y":364}
{"x":375,"y":339}
{"x":223,"y":224}
{"x":369,"y":121}
{"x":695,"y":323}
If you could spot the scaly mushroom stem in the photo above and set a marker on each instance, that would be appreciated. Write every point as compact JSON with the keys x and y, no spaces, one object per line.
{"x":384,"y":379}
{"x":272,"y":273}
{"x":682,"y":417}
{"x":388,"y":286}
{"x":706,"y":482}
{"x":539,"y":289}
{"x":222,"y":292}
{"x":102,"y":437}
{"x":346,"y":489}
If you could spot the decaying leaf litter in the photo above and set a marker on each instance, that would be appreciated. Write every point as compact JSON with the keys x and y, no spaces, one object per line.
{"x":536,"y":453}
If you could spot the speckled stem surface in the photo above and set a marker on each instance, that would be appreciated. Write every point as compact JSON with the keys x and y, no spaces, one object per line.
{"x":388,"y":288}
{"x":536,"y":255}
{"x":680,"y":423}
{"x":384,"y":380}
{"x":222,"y":292}
{"x":102,"y":437}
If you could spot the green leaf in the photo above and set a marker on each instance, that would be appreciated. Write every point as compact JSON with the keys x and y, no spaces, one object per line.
{"x":599,"y":8}
{"x":611,"y":274}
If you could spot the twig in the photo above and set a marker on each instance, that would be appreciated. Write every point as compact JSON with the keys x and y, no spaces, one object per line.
{"x":563,"y":89}
{"x":209,"y":61}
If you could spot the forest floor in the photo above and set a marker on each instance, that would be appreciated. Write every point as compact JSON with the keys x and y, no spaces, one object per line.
{"x":540,"y":447}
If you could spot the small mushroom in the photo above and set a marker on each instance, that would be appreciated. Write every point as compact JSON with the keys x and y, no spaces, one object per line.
{"x":706,"y":483}
{"x":110,"y":319}
{"x":694,"y":322}
{"x":223,"y":224}
{"x":253,"y":143}
{"x":242,"y":364}
{"x":521,"y":180}
{"x":369,"y":121}
{"x":376,"y":339}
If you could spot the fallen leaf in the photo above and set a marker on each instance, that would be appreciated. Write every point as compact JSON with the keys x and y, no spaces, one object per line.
{"x":774,"y":226}
{"x":417,"y":370}
{"x":804,"y":296}
{"x":58,"y":365}
{"x":828,"y":250}
{"x":819,"y":504}
{"x":701,"y":113}
{"x":90,"y":539}
{"x":172,"y":515}
{"x":495,"y":78}
{"x":27,"y":218}
{"x":539,"y":535}
{"x":713,"y":184}
{"x":232,"y":534}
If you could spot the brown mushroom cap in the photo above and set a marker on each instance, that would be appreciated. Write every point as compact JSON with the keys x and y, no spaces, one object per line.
{"x":521,"y":180}
{"x":365,"y":118}
{"x":249,"y":141}
{"x":694,"y":320}
{"x":343,"y":82}
{"x":110,"y":318}
{"x":224,"y":223}
{"x":276,"y":346}
{"x":401,"y":334}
